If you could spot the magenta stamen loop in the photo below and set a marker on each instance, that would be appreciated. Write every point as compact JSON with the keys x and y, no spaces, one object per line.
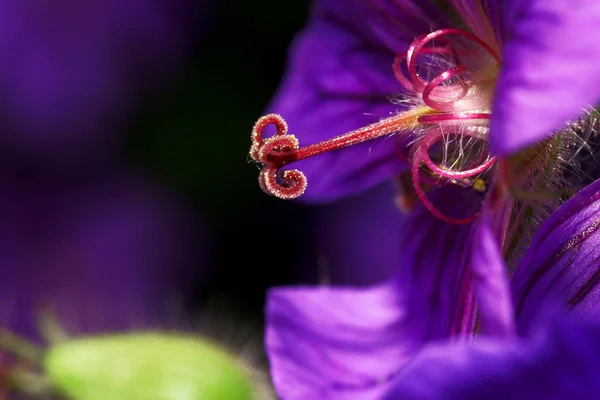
{"x":257,"y":140}
{"x":448,"y":103}
{"x":441,"y":98}
{"x":444,"y":93}
{"x":273,"y":153}
{"x":430,"y":207}
{"x":420,"y":155}
{"x":438,"y":134}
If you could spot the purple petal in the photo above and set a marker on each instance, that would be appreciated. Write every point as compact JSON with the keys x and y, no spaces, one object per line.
{"x":481,"y":17}
{"x":336,"y":343}
{"x":104,"y":254}
{"x":550,"y":70}
{"x":339,"y":79}
{"x":561,"y":362}
{"x":561,"y":264}
{"x":359,"y":231}
{"x":348,"y":342}
{"x":67,"y":79}
{"x":490,"y":281}
{"x":435,"y":274}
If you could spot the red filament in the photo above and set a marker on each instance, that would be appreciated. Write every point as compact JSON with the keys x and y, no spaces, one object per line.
{"x":441,"y":113}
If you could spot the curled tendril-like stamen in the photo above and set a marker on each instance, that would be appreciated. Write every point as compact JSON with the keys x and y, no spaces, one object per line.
{"x":446,"y":97}
{"x":417,"y":46}
{"x":283,"y":149}
{"x":441,"y":98}
{"x":421,"y":156}
{"x":448,"y":104}
{"x":432,"y":209}
{"x":286,"y":185}
{"x":438,"y":134}
{"x":273,"y":153}
{"x":257,"y":139}
{"x":397,"y":65}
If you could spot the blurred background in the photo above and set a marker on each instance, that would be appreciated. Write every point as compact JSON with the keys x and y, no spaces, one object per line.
{"x":128,"y":197}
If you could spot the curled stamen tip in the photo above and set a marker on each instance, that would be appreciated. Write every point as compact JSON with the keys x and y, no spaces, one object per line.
{"x":266,"y":120}
{"x":286,"y":185}
{"x":275,"y":152}
{"x":254,"y":149}
{"x":257,"y":130}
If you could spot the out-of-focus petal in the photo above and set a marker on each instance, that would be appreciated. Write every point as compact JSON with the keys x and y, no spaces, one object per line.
{"x":481,"y":17}
{"x":561,"y":264}
{"x":550,"y":69}
{"x":72,"y":71}
{"x":560,"y":362}
{"x":104,"y":254}
{"x":490,"y":282}
{"x":339,"y":79}
{"x":357,"y":238}
{"x":346,"y":342}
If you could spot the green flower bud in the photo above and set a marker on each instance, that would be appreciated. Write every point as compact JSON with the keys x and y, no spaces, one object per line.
{"x":146,"y":366}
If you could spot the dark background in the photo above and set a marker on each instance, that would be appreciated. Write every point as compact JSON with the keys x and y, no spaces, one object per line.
{"x":195,"y":136}
{"x":125,"y":178}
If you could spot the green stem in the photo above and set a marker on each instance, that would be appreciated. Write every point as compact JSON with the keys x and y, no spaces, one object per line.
{"x":20,"y":347}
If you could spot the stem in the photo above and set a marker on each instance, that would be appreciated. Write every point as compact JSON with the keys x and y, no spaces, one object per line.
{"x":20,"y":347}
{"x":401,"y":122}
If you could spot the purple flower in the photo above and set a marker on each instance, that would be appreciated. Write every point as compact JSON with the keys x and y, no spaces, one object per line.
{"x":458,"y":98}
{"x":104,"y":253}
{"x":559,"y":361}
{"x":350,"y":68}
{"x":72,"y":70}
{"x":413,"y":337}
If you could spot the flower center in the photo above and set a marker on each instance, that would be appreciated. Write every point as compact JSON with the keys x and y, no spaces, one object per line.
{"x":450,"y":119}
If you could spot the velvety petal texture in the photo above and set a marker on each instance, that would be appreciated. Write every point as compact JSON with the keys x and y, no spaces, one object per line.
{"x":377,"y":342}
{"x":490,"y":281}
{"x":356,"y":239}
{"x":434,"y":275}
{"x":561,"y":264}
{"x":340,"y":78}
{"x":559,"y":362}
{"x":108,"y":253}
{"x":71,"y":70}
{"x":326,"y":342}
{"x":550,"y":69}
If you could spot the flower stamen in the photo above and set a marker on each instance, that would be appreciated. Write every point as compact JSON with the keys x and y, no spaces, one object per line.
{"x":283,"y":149}
{"x":454,"y":105}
